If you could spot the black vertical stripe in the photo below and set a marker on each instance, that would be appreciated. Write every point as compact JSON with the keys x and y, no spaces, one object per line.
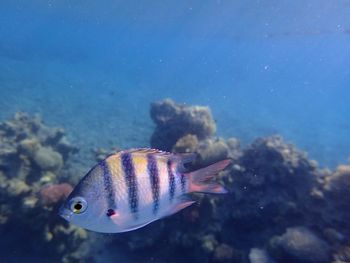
{"x":131,"y":183}
{"x":109,"y":186}
{"x":183,"y":183}
{"x":172,"y":183}
{"x":154,"y":177}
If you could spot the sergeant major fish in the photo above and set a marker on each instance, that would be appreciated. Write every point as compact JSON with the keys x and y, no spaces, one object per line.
{"x":132,"y":188}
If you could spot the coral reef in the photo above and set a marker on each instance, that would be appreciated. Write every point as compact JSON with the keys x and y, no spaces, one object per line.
{"x":268,"y":166}
{"x":33,"y":165}
{"x":281,"y":206}
{"x":299,"y":244}
{"x":181,"y":129}
{"x":336,"y":189}
{"x":175,"y":121}
{"x":208,"y":150}
{"x":257,"y":255}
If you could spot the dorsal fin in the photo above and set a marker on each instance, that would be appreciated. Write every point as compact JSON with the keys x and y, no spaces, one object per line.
{"x":179,"y":158}
{"x":148,"y":150}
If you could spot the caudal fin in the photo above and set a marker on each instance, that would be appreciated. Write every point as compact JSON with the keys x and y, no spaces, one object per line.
{"x":200,"y":180}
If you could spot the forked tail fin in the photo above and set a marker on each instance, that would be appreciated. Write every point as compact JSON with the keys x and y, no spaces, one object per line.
{"x":201,"y":180}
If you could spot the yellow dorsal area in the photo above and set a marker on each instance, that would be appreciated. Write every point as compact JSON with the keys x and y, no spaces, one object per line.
{"x":115,"y":167}
{"x":140,"y":164}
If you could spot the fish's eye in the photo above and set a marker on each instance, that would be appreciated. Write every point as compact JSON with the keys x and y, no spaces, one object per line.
{"x":78,"y":205}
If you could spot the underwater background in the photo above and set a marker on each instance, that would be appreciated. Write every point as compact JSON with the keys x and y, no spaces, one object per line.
{"x":261,"y":82}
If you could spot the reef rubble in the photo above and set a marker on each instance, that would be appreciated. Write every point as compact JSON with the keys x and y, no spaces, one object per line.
{"x":34,"y":178}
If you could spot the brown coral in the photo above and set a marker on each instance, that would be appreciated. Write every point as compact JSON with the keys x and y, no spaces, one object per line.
{"x":176,"y":120}
{"x":299,"y":244}
{"x":338,"y":185}
{"x":186,"y":144}
{"x":47,"y":159}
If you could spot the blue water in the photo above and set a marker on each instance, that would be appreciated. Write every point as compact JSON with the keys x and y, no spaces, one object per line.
{"x":263,"y":67}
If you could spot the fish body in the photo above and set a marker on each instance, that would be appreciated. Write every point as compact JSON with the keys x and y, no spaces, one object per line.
{"x":133,"y":188}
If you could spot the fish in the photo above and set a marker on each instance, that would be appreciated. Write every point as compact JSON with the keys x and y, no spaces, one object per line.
{"x":132,"y":188}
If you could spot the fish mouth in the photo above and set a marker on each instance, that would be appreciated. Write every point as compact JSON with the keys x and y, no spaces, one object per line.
{"x":65,"y":213}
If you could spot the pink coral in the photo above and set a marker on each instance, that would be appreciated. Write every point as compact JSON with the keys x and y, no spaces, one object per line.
{"x":51,"y":194}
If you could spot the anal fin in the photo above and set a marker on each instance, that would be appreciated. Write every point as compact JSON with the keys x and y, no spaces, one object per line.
{"x":135,"y":226}
{"x":182,"y":205}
